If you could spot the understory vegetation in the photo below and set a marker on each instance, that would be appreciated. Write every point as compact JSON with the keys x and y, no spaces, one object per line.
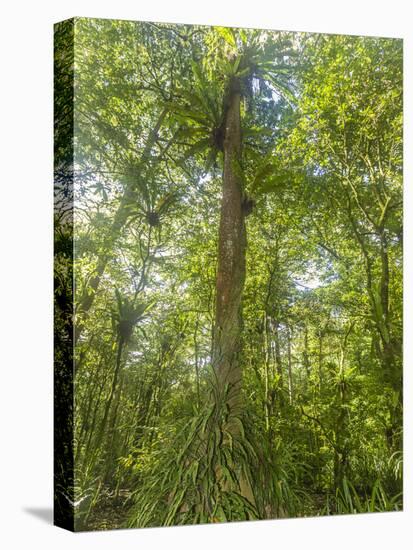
{"x":237,"y":260}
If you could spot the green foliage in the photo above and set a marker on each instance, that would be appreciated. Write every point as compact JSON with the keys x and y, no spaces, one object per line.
{"x":348,"y":501}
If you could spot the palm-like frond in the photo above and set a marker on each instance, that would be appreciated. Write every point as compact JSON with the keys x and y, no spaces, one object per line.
{"x":127,"y":313}
{"x":201,"y":111}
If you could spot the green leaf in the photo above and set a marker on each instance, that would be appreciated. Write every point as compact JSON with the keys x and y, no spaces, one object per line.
{"x":228,"y":35}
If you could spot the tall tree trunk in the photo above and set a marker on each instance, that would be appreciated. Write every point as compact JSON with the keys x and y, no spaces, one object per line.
{"x":389,"y":347}
{"x":290,"y":371}
{"x":391,"y":354}
{"x":112,"y":438}
{"x":341,"y":431}
{"x":279,"y":389}
{"x":320,"y":360}
{"x":267,"y":359}
{"x":306,"y":359}
{"x":114,"y":385}
{"x":231,"y":260}
{"x":232,"y":244}
{"x":197,"y":362}
{"x":278,"y":360}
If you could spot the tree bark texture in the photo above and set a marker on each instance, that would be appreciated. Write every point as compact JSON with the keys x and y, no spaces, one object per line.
{"x":231,"y":260}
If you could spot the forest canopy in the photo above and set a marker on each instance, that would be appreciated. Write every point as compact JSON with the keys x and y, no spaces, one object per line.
{"x":229,"y":209}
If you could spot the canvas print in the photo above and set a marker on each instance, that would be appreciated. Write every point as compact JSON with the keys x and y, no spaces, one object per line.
{"x":228,"y":274}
